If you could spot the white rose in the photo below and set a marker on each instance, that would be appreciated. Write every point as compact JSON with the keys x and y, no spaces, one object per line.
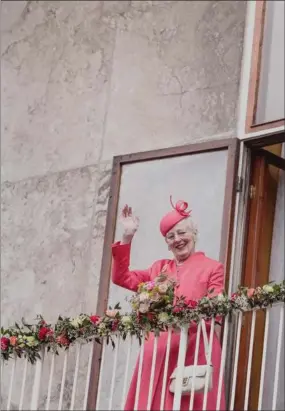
{"x":155,"y":297}
{"x":268,"y":288}
{"x":144,"y":308}
{"x":163,"y":317}
{"x":31,"y":341}
{"x":76,"y":322}
{"x":162,"y":288}
{"x":144,"y":297}
{"x":102,"y":327}
{"x":126,"y":320}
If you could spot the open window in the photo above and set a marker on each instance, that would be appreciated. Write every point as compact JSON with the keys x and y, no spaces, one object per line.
{"x":204,"y":175}
{"x":263,"y":262}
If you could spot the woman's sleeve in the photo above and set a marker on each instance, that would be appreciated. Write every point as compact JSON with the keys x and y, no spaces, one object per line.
{"x":216,"y":281}
{"x":121,"y":275}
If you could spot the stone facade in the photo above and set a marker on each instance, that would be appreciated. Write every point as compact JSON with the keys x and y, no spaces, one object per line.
{"x":83,"y":81}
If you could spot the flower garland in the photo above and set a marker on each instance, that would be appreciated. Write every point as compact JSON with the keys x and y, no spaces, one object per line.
{"x":154,"y":309}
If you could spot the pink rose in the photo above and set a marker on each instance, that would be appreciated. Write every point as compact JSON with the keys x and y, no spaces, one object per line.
{"x":234,"y":296}
{"x":250,"y":292}
{"x":94,"y":319}
{"x":150,"y":285}
{"x":112,"y":313}
{"x":63,"y":340}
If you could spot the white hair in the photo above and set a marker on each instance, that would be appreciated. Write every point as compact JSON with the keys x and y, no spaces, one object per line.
{"x":189,"y":224}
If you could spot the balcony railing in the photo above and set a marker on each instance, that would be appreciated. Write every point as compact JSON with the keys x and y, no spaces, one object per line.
{"x":61,"y":381}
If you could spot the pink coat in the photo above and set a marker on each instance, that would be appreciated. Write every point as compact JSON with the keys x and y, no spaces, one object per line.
{"x":196,"y":277}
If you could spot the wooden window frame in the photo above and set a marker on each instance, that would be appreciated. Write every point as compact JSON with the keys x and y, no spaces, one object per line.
{"x":264,"y":140}
{"x":255,"y":73}
{"x":232,"y":146}
{"x":257,"y":238}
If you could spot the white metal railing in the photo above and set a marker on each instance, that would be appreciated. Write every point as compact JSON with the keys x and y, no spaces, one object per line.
{"x":62,"y":381}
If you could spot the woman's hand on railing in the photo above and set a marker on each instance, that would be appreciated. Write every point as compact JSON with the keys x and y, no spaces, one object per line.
{"x":130,"y":224}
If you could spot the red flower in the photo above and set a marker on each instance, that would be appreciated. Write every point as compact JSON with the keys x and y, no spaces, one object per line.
{"x":94,"y":319}
{"x":43,"y":322}
{"x":150,"y":316}
{"x":43,"y":333}
{"x":50,"y":334}
{"x":115,"y":325}
{"x":177,"y":309}
{"x":5,"y":342}
{"x":62,"y":340}
{"x":191,"y":303}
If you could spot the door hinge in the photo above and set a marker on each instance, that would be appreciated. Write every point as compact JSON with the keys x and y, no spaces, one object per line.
{"x":239,"y":184}
{"x":252,"y":191}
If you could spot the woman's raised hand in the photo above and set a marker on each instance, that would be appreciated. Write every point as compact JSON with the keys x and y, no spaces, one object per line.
{"x":130,"y":224}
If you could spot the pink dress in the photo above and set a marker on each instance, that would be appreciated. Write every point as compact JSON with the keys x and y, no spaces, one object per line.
{"x":195,"y":278}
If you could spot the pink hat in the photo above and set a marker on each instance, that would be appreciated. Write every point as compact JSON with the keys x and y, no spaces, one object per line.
{"x":173,"y":217}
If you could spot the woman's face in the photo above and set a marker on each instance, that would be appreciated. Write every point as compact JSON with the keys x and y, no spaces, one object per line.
{"x":180,"y":241}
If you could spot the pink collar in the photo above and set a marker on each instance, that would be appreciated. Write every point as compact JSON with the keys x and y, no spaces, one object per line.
{"x":196,"y":254}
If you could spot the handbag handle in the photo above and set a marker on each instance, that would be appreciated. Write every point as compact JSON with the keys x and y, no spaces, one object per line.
{"x":206,"y":342}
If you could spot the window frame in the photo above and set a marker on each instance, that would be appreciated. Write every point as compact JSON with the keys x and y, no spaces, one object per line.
{"x":248,"y":144}
{"x":232,"y":146}
{"x":254,"y":79}
{"x":256,"y":236}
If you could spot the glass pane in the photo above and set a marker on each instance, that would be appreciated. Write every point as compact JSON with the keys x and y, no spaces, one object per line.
{"x":198,"y":179}
{"x":270,"y":102}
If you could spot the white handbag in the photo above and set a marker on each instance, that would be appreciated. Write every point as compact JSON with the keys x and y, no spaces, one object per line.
{"x":195,"y":375}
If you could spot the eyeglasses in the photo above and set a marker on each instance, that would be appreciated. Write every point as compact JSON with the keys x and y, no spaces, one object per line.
{"x":172,"y":236}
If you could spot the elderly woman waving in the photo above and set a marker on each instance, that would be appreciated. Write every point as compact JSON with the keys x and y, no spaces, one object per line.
{"x":195,"y":275}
